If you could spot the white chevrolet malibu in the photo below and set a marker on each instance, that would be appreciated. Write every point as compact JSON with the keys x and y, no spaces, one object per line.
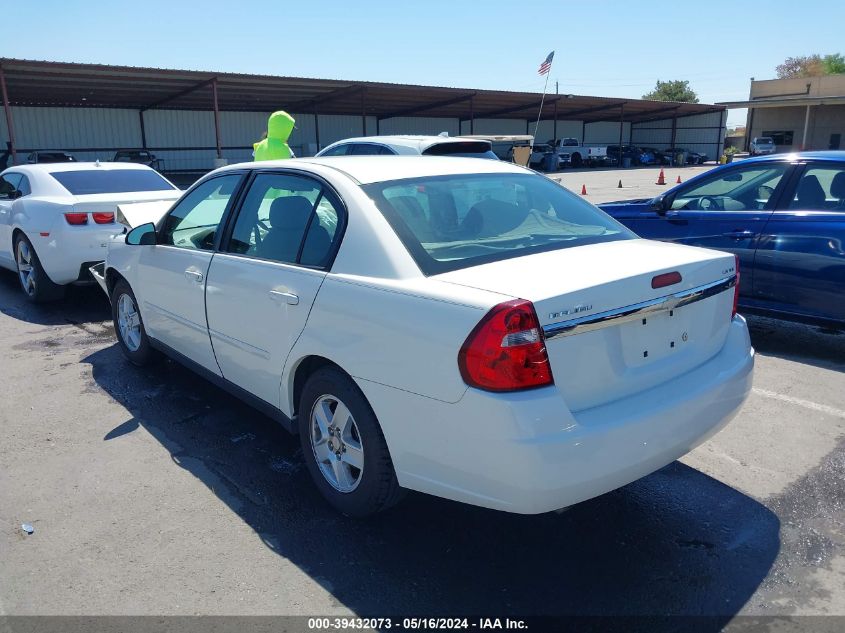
{"x":56,"y":219}
{"x":464,"y":328}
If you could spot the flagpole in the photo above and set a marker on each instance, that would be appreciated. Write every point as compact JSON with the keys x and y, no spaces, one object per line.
{"x":542,"y":99}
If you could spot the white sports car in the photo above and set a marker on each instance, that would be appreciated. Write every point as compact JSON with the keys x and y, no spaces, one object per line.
{"x":56,"y":219}
{"x":465,"y":328}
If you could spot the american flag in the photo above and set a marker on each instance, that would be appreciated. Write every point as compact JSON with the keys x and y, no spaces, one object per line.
{"x":546,"y":65}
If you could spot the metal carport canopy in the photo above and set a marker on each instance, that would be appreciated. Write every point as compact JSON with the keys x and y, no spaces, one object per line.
{"x":45,"y":83}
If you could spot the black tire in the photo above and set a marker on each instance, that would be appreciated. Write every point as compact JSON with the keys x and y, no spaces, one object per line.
{"x":377,"y":488}
{"x":139,"y":352}
{"x":576,"y":160}
{"x":35,"y":283}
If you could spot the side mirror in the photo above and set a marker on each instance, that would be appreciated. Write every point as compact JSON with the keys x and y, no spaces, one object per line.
{"x":659,"y":205}
{"x":143,"y":235}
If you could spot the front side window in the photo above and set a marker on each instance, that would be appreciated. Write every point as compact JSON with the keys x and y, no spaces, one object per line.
{"x":744,"y":189}
{"x":194,"y":221}
{"x":90,"y":181}
{"x":452,"y":222}
{"x":286,"y":218}
{"x":821,"y":188}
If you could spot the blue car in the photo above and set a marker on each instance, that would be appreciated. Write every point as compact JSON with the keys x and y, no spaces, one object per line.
{"x":783,"y":215}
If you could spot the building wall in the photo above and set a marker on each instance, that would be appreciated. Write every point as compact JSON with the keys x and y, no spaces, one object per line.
{"x":824,"y":121}
{"x":703,"y":133}
{"x":825,"y":86}
{"x":185,"y":140}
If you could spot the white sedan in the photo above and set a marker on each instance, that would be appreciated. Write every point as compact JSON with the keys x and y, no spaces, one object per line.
{"x":464,"y":328}
{"x":56,"y":219}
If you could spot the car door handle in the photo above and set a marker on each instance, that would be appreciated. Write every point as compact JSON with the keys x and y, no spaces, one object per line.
{"x":288,"y":297}
{"x":193,"y":275}
{"x":739,"y":235}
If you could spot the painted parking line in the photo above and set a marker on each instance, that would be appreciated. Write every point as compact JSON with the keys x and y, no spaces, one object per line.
{"x":807,"y":404}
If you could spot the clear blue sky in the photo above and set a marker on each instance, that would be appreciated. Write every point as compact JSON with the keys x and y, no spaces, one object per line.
{"x":613,"y":48}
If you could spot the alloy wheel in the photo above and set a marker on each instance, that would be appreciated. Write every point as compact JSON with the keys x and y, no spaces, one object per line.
{"x":129,"y":322}
{"x":26,"y":267}
{"x":336,"y":442}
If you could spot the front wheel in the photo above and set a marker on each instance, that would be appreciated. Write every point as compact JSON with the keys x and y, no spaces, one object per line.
{"x":343,"y":445}
{"x":35,"y":283}
{"x":129,"y":327}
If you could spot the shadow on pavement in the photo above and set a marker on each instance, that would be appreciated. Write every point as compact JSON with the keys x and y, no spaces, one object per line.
{"x":81,"y":304}
{"x":676,"y":542}
{"x":807,"y":344}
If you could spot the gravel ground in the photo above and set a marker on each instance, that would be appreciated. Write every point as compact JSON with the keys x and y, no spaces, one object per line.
{"x":152,"y":492}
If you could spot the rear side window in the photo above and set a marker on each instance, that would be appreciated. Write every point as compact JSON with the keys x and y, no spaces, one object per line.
{"x":286,"y":218}
{"x":821,"y":188}
{"x":452,"y":222}
{"x":8,"y":185}
{"x":339,"y":150}
{"x":91,"y":181}
{"x":469,"y":149}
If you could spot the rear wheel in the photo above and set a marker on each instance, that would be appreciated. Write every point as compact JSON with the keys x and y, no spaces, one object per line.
{"x":344,"y":447}
{"x":576,"y":161}
{"x":129,"y":327}
{"x":35,"y":283}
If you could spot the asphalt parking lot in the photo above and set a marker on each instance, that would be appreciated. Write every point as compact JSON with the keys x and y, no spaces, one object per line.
{"x":152,"y":492}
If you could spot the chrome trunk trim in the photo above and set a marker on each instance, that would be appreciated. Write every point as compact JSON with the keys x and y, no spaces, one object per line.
{"x":617,"y":316}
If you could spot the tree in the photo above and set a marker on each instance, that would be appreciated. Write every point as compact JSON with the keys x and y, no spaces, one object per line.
{"x":834,"y":64}
{"x":673,"y":90}
{"x":811,"y":66}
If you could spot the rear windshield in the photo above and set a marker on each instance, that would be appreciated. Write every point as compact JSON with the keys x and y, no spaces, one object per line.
{"x":764,"y":141}
{"x":88,"y":181}
{"x":452,"y":222}
{"x":468,"y":149}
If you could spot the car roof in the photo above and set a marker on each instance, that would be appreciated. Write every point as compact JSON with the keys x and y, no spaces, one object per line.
{"x":837,"y":155}
{"x":419,"y":142}
{"x":74,"y":166}
{"x":370,"y":169}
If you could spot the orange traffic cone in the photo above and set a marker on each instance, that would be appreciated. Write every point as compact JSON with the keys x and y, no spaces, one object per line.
{"x":583,"y":190}
{"x":661,"y":179}
{"x":619,"y":186}
{"x":678,"y":181}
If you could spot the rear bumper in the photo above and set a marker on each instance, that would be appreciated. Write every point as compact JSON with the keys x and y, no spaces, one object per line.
{"x":527,"y":453}
{"x":64,"y":253}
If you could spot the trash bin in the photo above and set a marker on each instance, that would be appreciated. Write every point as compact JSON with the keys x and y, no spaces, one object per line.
{"x":550,"y":161}
{"x":626,"y":162}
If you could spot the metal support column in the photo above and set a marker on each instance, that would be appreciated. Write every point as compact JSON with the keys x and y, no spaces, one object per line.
{"x":317,"y":129}
{"x":364,"y":111}
{"x":583,"y":132}
{"x":471,"y":118}
{"x":723,"y":120}
{"x":621,"y":129}
{"x":143,"y":129}
{"x":10,"y":123}
{"x":216,"y":118}
{"x":674,"y":130}
{"x":554,"y":135}
{"x":806,"y":125}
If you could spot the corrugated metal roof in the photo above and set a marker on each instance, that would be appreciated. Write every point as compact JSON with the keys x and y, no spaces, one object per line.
{"x":46,"y":83}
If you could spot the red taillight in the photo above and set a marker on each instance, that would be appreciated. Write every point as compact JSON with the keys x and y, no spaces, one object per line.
{"x":666,"y":279}
{"x":103,"y":218}
{"x":506,"y":351}
{"x":76,"y":219}
{"x":736,"y":287}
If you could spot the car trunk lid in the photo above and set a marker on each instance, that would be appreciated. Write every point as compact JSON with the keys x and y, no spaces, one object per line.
{"x":609,"y":333}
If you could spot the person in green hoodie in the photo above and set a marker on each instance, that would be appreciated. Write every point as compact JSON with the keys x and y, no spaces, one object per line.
{"x":275,"y":146}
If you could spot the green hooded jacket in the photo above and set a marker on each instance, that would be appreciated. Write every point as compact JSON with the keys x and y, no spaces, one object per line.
{"x":275,"y":146}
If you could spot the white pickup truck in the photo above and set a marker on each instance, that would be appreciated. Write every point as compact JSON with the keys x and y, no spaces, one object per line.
{"x":573,"y":152}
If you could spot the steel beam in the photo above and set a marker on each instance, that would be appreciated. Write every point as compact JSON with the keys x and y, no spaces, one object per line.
{"x":216,"y":117}
{"x":179,"y":94}
{"x":430,"y":106}
{"x":528,"y":106}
